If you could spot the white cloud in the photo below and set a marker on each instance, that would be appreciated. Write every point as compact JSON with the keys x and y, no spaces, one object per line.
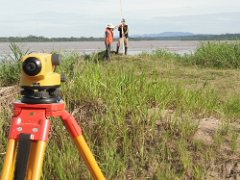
{"x":89,"y":17}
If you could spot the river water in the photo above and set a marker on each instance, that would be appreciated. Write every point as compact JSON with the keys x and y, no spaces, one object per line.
{"x":86,"y":47}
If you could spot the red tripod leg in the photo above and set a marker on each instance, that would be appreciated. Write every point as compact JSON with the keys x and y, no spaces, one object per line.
{"x":76,"y":133}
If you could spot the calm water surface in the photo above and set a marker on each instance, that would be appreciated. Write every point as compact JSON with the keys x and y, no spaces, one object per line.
{"x":87,"y":47}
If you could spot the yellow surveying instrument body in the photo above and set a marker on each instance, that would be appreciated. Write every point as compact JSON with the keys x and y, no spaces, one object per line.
{"x":38,"y":70}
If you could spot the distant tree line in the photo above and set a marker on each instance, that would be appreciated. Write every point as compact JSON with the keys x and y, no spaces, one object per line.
{"x":32,"y":38}
{"x":198,"y":37}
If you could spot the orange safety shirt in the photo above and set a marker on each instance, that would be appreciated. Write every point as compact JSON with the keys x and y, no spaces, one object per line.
{"x":109,"y":36}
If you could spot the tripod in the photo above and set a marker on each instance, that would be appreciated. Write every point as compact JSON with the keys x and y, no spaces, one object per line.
{"x":28,"y":137}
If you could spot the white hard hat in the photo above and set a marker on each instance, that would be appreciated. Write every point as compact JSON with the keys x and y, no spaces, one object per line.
{"x":111,"y":26}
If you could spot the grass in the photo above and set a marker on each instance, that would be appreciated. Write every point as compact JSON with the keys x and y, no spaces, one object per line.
{"x":218,"y":54}
{"x":10,"y":67}
{"x":9,"y":72}
{"x":139,"y":115}
{"x":4,"y":126}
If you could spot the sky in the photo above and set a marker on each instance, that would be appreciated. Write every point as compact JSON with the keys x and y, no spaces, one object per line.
{"x":77,"y":18}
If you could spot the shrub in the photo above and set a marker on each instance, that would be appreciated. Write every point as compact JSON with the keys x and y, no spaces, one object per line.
{"x":218,"y":55}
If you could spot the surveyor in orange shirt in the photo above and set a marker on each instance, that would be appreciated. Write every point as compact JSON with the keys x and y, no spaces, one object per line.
{"x":108,"y":39}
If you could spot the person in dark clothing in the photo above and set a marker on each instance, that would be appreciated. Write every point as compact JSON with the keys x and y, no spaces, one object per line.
{"x":108,"y":39}
{"x":123,"y":36}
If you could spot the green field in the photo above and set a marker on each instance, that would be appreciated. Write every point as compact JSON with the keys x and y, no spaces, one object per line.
{"x":156,"y":116}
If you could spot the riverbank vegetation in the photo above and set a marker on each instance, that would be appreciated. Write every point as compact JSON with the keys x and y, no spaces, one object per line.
{"x":157,"y":115}
{"x":194,"y":37}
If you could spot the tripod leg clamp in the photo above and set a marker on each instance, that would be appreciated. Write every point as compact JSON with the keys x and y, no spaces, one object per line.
{"x":71,"y":124}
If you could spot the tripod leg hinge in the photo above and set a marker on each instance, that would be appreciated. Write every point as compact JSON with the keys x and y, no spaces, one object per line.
{"x":71,"y":124}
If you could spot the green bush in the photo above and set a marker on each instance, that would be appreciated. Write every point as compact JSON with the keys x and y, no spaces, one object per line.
{"x":165,"y":54}
{"x":9,"y":72}
{"x":10,"y":66}
{"x":217,"y":55}
{"x":210,"y":54}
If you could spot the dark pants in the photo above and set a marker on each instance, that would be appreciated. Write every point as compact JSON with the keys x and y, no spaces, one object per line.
{"x":107,"y":53}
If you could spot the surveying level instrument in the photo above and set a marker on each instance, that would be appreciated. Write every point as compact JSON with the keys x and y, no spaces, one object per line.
{"x":39,"y":81}
{"x":30,"y":127}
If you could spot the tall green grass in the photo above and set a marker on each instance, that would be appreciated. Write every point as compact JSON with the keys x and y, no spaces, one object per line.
{"x":218,"y":54}
{"x":137,"y":124}
{"x":5,"y":114}
{"x":114,"y":108}
{"x":211,"y":54}
{"x":9,"y":72}
{"x":119,"y":108}
{"x":10,"y":66}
